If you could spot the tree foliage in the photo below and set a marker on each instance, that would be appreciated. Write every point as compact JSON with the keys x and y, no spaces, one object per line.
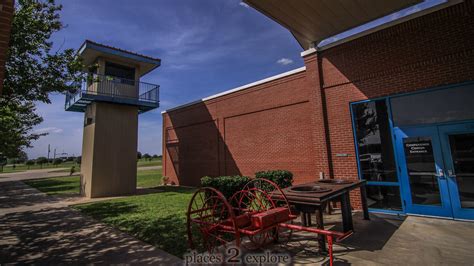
{"x":32,"y":71}
{"x":41,"y":161}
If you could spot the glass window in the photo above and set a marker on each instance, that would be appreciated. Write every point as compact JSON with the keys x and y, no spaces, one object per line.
{"x":462,"y":151}
{"x":453,"y":104}
{"x":384,"y":197}
{"x":124,"y":74}
{"x":421,"y":171}
{"x":374,"y":141}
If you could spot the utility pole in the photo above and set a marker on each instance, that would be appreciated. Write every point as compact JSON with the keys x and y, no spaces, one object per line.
{"x":54,"y":154}
{"x":49,"y":150}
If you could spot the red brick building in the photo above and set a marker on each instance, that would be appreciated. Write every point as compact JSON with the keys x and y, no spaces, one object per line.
{"x":393,"y":106}
{"x":6,"y":15}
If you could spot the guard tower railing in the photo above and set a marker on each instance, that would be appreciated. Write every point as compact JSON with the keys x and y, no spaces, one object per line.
{"x":104,"y":88}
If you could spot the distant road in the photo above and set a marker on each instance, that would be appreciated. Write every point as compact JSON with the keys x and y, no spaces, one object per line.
{"x":30,"y":174}
{"x":156,"y":167}
{"x":52,"y":172}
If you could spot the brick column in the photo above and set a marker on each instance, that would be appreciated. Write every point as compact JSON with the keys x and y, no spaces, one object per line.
{"x":6,"y":15}
{"x":319,"y":117}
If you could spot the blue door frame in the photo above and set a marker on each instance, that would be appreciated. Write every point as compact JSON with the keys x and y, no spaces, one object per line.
{"x":450,"y":205}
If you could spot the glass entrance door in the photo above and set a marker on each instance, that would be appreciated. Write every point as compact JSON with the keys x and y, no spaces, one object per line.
{"x":458,"y":152}
{"x":421,"y":166}
{"x":437,"y":169}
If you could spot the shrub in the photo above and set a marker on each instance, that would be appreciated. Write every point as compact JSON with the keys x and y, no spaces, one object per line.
{"x":57,"y":161}
{"x":282,"y":178}
{"x":228,"y":185}
{"x":41,"y":161}
{"x":30,"y":163}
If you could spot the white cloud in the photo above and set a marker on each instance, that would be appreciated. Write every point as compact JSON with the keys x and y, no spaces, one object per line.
{"x":49,"y":130}
{"x":244,"y":4}
{"x":284,"y":61}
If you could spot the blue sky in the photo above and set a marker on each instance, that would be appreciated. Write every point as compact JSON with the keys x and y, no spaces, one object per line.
{"x":206,"y":47}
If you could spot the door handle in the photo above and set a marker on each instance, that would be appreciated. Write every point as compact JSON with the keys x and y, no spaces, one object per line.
{"x":440,"y":174}
{"x":451,"y":173}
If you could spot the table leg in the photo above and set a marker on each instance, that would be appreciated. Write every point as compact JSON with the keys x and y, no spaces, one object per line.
{"x":320,"y":224}
{"x":363,"y":199}
{"x":303,"y":218}
{"x":346,"y":212}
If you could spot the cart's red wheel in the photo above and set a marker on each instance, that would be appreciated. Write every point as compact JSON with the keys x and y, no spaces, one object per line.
{"x":211,"y":222}
{"x":277,"y":198}
{"x":253,"y":200}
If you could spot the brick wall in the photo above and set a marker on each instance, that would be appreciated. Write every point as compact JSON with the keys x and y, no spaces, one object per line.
{"x":6,"y":13}
{"x":302,"y":121}
{"x":269,"y":126}
{"x":430,"y":51}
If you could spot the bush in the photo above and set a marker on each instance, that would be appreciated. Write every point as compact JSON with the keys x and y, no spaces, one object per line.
{"x":41,"y":160}
{"x":228,"y":185}
{"x":30,"y":163}
{"x":57,"y":161}
{"x":282,"y":178}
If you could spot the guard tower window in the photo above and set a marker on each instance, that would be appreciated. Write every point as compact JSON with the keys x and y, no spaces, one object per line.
{"x":123,"y":74}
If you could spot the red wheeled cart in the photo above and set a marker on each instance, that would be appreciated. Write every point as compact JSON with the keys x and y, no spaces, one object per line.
{"x":257,"y":215}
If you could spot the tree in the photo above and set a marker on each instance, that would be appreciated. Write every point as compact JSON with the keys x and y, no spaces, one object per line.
{"x":57,"y":161}
{"x":29,"y":163}
{"x":3,"y":161}
{"x":155,"y":156}
{"x":22,"y":157}
{"x":78,"y":159}
{"x":139,"y":155}
{"x":147,"y":156}
{"x":41,"y":161}
{"x":32,"y":72}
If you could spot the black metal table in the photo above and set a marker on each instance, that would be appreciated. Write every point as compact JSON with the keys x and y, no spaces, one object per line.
{"x":308,"y":202}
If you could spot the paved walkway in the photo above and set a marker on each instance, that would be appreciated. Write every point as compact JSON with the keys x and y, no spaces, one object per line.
{"x":37,"y":173}
{"x":392,"y":240}
{"x":36,"y":228}
{"x":51,"y":172}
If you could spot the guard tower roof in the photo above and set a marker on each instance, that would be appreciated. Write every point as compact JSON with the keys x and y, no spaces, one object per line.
{"x":90,"y":50}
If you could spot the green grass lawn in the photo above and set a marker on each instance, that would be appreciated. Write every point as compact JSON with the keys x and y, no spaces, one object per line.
{"x":158,"y":219}
{"x":68,"y":185}
{"x":144,"y":162}
{"x":149,"y":178}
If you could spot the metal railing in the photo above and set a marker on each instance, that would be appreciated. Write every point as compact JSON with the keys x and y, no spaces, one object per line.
{"x":114,"y":87}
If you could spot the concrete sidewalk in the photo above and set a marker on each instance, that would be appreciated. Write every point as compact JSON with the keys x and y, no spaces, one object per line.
{"x":51,"y":172}
{"x":36,"y":228}
{"x":390,"y":240}
{"x":33,"y":174}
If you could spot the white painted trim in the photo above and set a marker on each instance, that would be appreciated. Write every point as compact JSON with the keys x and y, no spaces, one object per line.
{"x":308,"y":52}
{"x":389,"y":24}
{"x":243,"y":87}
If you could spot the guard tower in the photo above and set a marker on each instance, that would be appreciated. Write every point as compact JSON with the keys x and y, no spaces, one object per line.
{"x":111,"y":97}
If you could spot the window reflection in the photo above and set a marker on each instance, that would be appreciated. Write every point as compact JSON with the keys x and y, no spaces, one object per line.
{"x":384,"y":197}
{"x":374,"y":142}
{"x":437,"y":106}
{"x":422,"y":171}
{"x":462,"y":151}
{"x":122,"y":74}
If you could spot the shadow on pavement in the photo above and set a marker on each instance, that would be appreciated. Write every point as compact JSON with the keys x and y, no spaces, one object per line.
{"x":62,"y":235}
